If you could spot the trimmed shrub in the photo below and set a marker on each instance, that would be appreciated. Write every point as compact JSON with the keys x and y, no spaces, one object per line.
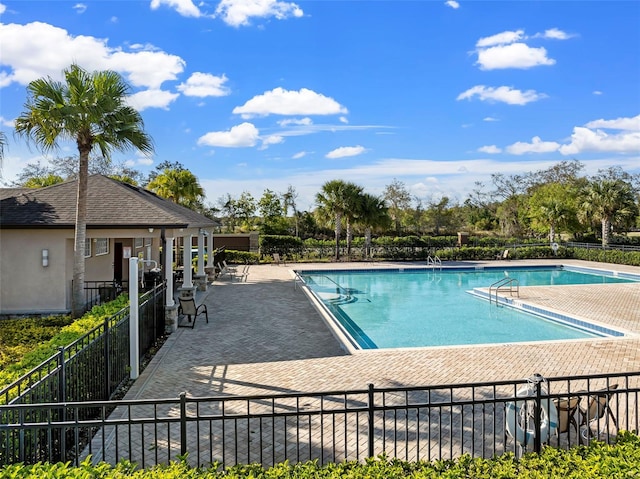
{"x":598,"y":460}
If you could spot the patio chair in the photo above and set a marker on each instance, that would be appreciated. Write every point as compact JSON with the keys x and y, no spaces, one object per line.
{"x":567,"y":412}
{"x":277,"y":260}
{"x":188,"y":308}
{"x":231,"y":269}
{"x":597,"y":412}
{"x":503,"y":255}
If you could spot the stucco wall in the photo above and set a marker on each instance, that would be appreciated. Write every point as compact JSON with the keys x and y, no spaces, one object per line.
{"x":26,"y":285}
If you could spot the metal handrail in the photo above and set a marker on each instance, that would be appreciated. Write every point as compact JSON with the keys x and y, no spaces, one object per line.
{"x":502,"y":284}
{"x":433,"y":262}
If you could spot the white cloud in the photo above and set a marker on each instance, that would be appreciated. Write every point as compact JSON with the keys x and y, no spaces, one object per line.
{"x":5,"y":122}
{"x":452,"y":3}
{"x":344,"y":151}
{"x":597,"y":92}
{"x":584,"y":139}
{"x":536,"y":146}
{"x":154,"y":98}
{"x":239,"y":12}
{"x":554,"y":34}
{"x":186,"y":8}
{"x":37,"y":50}
{"x":271,"y":140}
{"x":500,"y":39}
{"x":80,"y":7}
{"x":284,"y":102}
{"x":343,"y":119}
{"x":490,"y":118}
{"x":3,"y":8}
{"x":492,"y":149}
{"x":514,"y":55}
{"x":503,"y":94}
{"x":204,"y":84}
{"x":293,"y":121}
{"x":299,"y":155}
{"x":630,"y":124}
{"x":243,"y":135}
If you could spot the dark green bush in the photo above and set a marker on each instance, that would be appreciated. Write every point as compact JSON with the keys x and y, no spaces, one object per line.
{"x":595,"y":461}
{"x":282,"y":244}
{"x":247,"y":257}
{"x":66,"y":335}
{"x":631,"y":258}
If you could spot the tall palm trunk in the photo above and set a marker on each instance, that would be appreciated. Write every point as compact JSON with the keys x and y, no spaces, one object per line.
{"x":367,"y":242}
{"x":606,"y":227}
{"x":338,"y":231}
{"x":349,"y":235}
{"x":552,"y":233}
{"x":78,"y":303}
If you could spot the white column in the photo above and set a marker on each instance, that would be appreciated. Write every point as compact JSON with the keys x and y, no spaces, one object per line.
{"x":168,"y":270}
{"x":210,"y":250}
{"x":134,"y":348}
{"x":201,"y":252}
{"x":186,"y":261}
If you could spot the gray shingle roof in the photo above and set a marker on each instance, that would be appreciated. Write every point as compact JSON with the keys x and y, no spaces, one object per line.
{"x":110,"y":204}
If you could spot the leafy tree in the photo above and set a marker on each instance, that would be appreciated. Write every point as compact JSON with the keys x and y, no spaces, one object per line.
{"x":91,"y":110}
{"x":42,"y":181}
{"x":178,"y":185}
{"x":289,"y":201}
{"x":336,"y":200}
{"x":228,"y":209}
{"x":372,"y":214}
{"x":246,"y":208}
{"x":608,"y":201}
{"x":439,"y":214}
{"x":398,"y":199}
{"x":271,"y":209}
{"x":552,"y":208}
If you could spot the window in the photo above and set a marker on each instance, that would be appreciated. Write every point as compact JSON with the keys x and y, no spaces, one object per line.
{"x":87,"y":247}
{"x":102,"y":246}
{"x":139,"y":242}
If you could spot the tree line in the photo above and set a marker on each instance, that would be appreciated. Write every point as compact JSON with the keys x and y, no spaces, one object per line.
{"x":90,"y":109}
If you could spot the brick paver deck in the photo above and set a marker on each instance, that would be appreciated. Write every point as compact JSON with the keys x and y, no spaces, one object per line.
{"x":265,"y":337}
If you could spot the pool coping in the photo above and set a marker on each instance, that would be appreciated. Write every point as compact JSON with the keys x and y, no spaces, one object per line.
{"x":350,"y":344}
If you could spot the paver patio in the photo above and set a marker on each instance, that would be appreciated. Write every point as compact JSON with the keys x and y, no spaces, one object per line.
{"x":265,"y":337}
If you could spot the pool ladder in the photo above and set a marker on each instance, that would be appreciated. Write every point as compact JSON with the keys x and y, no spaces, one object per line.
{"x":505,"y":284}
{"x":434,"y":262}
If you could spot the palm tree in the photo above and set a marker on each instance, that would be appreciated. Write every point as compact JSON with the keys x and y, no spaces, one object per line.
{"x":607,"y":201}
{"x":178,"y":185}
{"x":554,"y":212}
{"x":353,"y":197}
{"x":335,"y":199}
{"x":89,"y":109}
{"x":3,"y":142}
{"x":373,"y":213}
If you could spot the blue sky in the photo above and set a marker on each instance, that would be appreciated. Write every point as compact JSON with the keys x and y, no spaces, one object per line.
{"x":257,"y":94}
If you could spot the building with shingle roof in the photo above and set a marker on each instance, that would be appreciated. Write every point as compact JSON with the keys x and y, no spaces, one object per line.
{"x":123,"y":221}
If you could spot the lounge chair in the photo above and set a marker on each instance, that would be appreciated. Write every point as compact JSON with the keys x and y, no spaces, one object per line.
{"x":188,"y":308}
{"x":567,"y":412}
{"x":503,"y":255}
{"x":597,"y":412}
{"x":231,"y":269}
{"x":277,"y":260}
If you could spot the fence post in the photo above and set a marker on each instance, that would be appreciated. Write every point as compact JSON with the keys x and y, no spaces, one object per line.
{"x":371,"y":422}
{"x":62,"y":378}
{"x":107,"y":360}
{"x":537,"y":416}
{"x":183,"y":423}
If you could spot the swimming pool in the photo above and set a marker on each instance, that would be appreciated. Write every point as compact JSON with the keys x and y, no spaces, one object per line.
{"x":379,"y":309}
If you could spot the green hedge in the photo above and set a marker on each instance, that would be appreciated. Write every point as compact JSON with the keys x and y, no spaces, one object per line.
{"x":631,"y":258}
{"x":596,"y":461}
{"x":67,"y":334}
{"x":246,"y":257}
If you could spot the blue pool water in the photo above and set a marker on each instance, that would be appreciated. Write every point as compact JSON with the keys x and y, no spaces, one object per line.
{"x":413,"y":308}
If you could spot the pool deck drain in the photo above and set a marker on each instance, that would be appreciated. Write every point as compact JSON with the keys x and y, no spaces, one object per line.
{"x":265,"y":337}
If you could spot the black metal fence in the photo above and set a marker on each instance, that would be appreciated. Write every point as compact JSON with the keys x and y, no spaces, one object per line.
{"x":410,"y":423}
{"x":98,"y":292}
